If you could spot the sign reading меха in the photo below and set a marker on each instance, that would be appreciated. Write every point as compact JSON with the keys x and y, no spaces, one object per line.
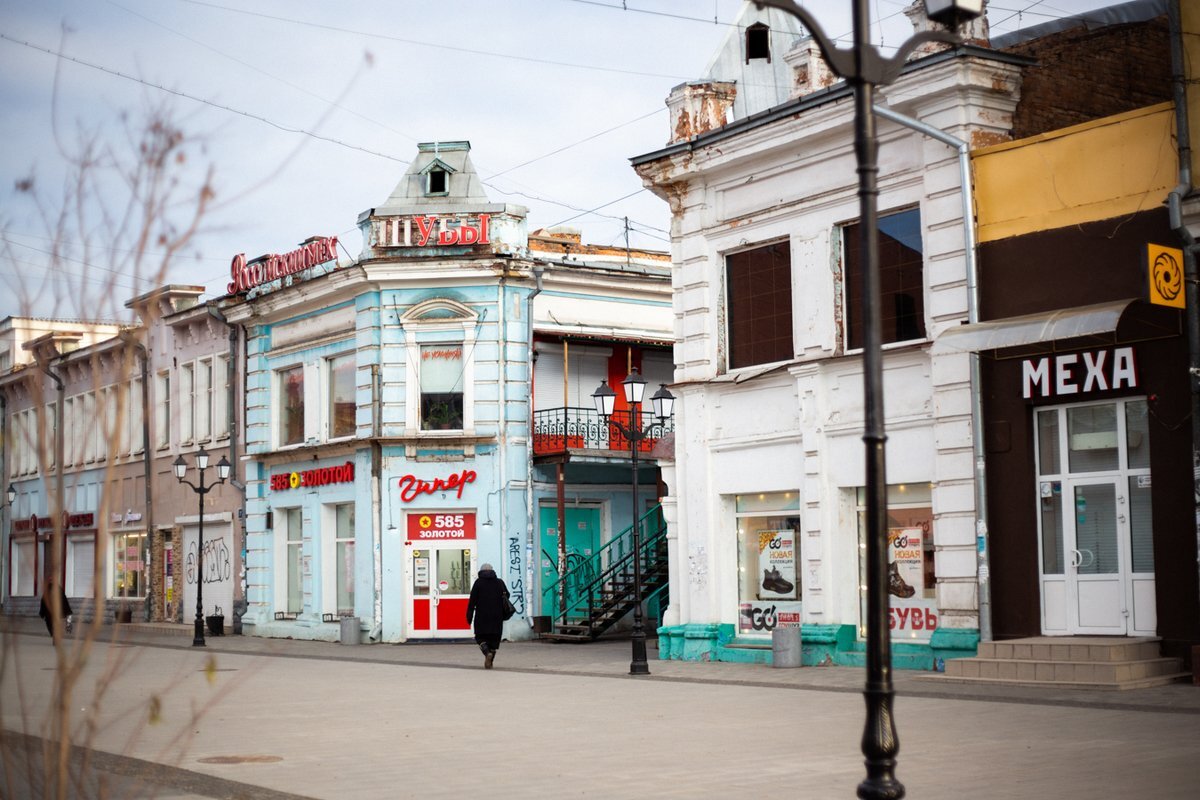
{"x":1079,"y":373}
{"x":440,"y":527}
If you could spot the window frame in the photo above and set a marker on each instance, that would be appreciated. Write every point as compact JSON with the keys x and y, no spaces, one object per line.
{"x":734,"y":303}
{"x":117,"y":538}
{"x":851,"y":280}
{"x":330,"y":411}
{"x":281,"y":406}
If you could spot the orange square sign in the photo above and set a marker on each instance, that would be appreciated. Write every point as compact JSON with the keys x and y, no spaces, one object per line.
{"x":1166,"y":275}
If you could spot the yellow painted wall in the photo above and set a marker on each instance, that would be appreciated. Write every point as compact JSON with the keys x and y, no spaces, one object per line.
{"x":1099,"y":170}
{"x":1189,"y":14}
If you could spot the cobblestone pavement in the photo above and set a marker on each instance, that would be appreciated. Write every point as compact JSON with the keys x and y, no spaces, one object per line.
{"x":259,"y":718}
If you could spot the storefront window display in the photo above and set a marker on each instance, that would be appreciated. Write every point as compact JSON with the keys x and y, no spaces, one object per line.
{"x":912,"y":583}
{"x":129,"y":569}
{"x":768,"y":531}
{"x":344,"y":517}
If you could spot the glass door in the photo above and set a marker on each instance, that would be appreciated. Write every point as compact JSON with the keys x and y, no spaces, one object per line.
{"x":440,"y":579}
{"x":1095,"y":519}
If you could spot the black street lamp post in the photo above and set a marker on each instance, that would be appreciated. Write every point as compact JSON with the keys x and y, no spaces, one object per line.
{"x":864,"y":69}
{"x":663,"y":402}
{"x":222,"y":473}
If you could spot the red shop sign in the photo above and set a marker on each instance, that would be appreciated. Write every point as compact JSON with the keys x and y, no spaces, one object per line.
{"x":321,"y":476}
{"x":36,"y":523}
{"x":440,"y":527}
{"x":411,"y":487}
{"x":245,"y":276}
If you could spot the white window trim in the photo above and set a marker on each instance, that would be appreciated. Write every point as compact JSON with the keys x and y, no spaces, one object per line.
{"x":162,"y":410}
{"x":279,"y":533}
{"x":412,"y":389}
{"x":326,"y":404}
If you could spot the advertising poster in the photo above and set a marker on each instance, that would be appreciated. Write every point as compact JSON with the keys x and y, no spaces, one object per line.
{"x":777,"y":562}
{"x":906,"y":566}
{"x":765,"y":617}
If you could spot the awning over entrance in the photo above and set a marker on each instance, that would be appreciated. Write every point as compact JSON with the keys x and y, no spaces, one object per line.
{"x":1032,"y":329}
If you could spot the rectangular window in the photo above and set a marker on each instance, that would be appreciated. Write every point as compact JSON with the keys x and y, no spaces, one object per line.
{"x":81,"y":566}
{"x":187,"y":403}
{"x":137,"y":441}
{"x":204,"y":399}
{"x":768,"y":536}
{"x":293,"y":521}
{"x":129,"y":568}
{"x":221,"y":406}
{"x":341,"y":396}
{"x":758,"y":289}
{"x":912,"y":582}
{"x":110,"y":436}
{"x":162,"y":410}
{"x":441,"y":387}
{"x":23,"y":554}
{"x":291,"y":405}
{"x":91,"y":431}
{"x":344,"y":558}
{"x":901,"y":279}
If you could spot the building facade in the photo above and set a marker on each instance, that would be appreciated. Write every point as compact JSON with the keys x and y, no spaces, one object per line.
{"x":766,"y":504}
{"x":388,"y":406}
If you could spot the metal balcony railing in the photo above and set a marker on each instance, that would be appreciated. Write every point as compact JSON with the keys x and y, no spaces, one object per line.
{"x":556,"y":430}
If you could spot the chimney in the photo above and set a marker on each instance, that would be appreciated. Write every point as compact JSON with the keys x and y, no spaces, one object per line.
{"x":809,"y":70}
{"x":974,"y":32}
{"x":699,"y":107}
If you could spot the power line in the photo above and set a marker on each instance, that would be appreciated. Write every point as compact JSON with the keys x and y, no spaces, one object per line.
{"x":585,"y":212}
{"x":196,"y":99}
{"x":421,"y":43}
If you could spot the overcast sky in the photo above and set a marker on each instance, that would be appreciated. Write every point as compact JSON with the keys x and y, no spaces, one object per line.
{"x":309,"y":110}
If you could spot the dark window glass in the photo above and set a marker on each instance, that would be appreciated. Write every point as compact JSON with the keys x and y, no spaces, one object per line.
{"x":901,"y":279}
{"x":442,"y":387}
{"x":758,"y":42}
{"x":759,"y":290}
{"x":437,"y":182}
{"x":291,"y":406}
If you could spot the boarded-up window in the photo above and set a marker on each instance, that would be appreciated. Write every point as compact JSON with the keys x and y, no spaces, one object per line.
{"x":759,"y":305}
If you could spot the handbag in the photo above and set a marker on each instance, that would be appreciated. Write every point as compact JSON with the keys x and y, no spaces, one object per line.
{"x":509,"y":608}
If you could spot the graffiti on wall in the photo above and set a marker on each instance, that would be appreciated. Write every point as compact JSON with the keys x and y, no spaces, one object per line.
{"x":218,"y":564}
{"x":516,"y":586}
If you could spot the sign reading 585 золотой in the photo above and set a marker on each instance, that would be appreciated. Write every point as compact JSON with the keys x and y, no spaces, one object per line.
{"x":433,"y":527}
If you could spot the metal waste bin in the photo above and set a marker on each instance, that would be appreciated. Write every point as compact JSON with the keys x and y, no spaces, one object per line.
{"x":785,"y":646}
{"x":350,"y":631}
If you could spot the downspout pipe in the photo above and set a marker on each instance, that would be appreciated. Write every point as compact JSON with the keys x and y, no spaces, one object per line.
{"x":240,"y":604}
{"x":6,"y":519}
{"x":970,"y":247}
{"x":147,"y":468}
{"x":533,"y":524}
{"x":1175,"y":211}
{"x":377,"y":496}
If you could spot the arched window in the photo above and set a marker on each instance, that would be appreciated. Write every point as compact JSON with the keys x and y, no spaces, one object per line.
{"x":758,"y":42}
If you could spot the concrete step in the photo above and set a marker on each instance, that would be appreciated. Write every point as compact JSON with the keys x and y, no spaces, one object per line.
{"x":1090,"y":672}
{"x":1145,"y":683}
{"x":1097,"y":649}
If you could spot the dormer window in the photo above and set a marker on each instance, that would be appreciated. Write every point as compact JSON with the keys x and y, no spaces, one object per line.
{"x":758,"y":42}
{"x":437,"y":181}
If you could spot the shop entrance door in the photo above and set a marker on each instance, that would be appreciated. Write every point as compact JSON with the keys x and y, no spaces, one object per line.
{"x":440,"y":578}
{"x":1093,"y":569}
{"x":583,"y":540}
{"x":1096,"y":532}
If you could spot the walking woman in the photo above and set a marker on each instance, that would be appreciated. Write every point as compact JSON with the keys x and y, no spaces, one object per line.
{"x":486,"y":611}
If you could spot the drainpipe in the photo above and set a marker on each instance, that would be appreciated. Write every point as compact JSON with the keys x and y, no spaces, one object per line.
{"x":57,"y":506}
{"x":1175,"y":209}
{"x":376,"y":507}
{"x":147,"y":469}
{"x":502,"y":362}
{"x":982,"y":557}
{"x":240,"y":604}
{"x":532,"y":522}
{"x":6,"y":519}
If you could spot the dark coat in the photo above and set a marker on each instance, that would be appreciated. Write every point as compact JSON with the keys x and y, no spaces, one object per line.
{"x":486,"y":607}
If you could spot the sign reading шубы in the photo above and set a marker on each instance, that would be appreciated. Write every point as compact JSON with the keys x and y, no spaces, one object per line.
{"x":429,"y":229}
{"x":245,"y":276}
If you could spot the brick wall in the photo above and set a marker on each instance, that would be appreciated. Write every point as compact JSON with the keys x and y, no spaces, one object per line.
{"x":1083,"y":75}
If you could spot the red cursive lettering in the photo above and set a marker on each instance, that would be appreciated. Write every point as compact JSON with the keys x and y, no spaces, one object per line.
{"x":411,"y":487}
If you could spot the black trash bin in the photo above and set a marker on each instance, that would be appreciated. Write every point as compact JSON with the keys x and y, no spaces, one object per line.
{"x":216,"y":623}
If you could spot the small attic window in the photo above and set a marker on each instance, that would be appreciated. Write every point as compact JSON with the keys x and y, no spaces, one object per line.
{"x":437,"y":182}
{"x":758,"y":42}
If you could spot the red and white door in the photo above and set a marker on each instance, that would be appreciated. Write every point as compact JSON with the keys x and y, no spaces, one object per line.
{"x":440,"y":567}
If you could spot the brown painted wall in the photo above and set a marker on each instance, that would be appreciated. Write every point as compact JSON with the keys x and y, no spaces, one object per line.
{"x":1083,"y":75}
{"x":1061,"y":269}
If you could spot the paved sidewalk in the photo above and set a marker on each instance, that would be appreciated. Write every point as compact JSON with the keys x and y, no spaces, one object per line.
{"x":248,"y":717}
